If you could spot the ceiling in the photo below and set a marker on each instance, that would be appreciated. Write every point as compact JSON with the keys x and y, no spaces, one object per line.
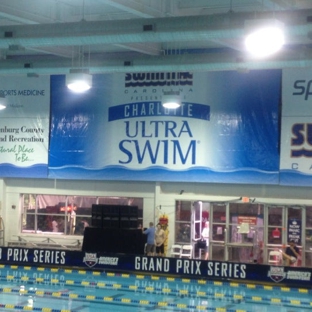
{"x":52,"y":36}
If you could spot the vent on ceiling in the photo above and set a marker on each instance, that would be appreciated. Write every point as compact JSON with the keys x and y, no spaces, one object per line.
{"x":8,"y":34}
{"x":148,"y":27}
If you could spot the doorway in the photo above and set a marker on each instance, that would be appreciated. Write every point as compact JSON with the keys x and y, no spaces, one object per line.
{"x":246,"y":232}
{"x":284,"y":224}
{"x":237,"y":232}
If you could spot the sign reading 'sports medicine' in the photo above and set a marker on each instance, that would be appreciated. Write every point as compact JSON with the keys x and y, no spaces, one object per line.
{"x":296,"y":138}
{"x":24,"y":127}
{"x":225,"y":131}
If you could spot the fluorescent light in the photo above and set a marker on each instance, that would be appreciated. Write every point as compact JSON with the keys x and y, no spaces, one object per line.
{"x":264,"y":37}
{"x":79,"y":82}
{"x":171,"y":99}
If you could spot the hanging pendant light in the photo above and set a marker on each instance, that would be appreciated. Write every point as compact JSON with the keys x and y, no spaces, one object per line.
{"x":79,"y":80}
{"x":2,"y":102}
{"x":264,"y":37}
{"x":171,"y":99}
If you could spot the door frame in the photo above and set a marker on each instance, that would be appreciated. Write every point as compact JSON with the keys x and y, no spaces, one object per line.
{"x":289,"y":228}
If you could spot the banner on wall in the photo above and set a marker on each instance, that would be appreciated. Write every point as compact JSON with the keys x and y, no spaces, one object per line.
{"x":24,"y":127}
{"x":195,"y":268}
{"x":296,"y":135}
{"x":225,"y":131}
{"x":294,"y":230}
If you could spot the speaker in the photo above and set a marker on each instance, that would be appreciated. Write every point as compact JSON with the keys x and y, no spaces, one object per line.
{"x":129,"y":211}
{"x":114,"y":216}
{"x":96,"y":216}
{"x":133,"y":223}
{"x":127,"y":241}
{"x":133,"y":211}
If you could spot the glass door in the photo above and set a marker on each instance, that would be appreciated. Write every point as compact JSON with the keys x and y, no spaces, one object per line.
{"x":183,"y":222}
{"x":244,"y":236}
{"x":284,"y":224}
{"x":196,"y":225}
{"x":218,"y":231}
{"x":308,"y":238}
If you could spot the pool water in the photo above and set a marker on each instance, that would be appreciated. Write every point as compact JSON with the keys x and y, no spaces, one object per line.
{"x":62,"y":290}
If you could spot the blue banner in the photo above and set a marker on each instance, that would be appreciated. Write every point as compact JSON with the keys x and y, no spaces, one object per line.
{"x":191,"y":268}
{"x":225,"y":131}
{"x":151,"y":109}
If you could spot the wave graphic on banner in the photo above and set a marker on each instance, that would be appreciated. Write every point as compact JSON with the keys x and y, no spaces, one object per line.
{"x":200,"y":174}
{"x":293,"y":177}
{"x":35,"y":171}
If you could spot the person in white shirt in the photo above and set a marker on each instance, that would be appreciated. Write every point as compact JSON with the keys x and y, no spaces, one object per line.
{"x":205,"y":236}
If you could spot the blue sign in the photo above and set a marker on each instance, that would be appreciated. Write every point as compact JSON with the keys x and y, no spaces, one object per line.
{"x":294,"y":231}
{"x":226,"y":129}
{"x":191,"y":268}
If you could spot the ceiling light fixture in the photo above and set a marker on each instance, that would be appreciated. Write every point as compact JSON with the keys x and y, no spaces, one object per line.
{"x":171,"y":99}
{"x":2,"y":101}
{"x":79,"y":80}
{"x":264,"y":37}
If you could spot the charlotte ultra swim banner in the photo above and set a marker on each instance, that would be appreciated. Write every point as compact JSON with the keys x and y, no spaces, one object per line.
{"x":225,"y":131}
{"x":296,"y":138}
{"x":24,"y":127}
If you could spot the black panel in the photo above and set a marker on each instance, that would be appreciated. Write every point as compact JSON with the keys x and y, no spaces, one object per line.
{"x":128,"y":241}
{"x":114,"y":216}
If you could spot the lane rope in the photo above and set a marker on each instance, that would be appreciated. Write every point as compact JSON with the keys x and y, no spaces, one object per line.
{"x":161,"y":278}
{"x":236,"y":298}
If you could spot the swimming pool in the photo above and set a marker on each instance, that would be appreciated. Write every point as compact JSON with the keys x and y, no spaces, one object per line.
{"x":61,"y":290}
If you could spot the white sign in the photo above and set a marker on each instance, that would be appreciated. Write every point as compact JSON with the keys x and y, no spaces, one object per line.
{"x":296,"y":135}
{"x":24,"y":124}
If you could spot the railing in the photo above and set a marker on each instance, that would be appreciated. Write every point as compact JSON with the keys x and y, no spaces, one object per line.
{"x":49,"y":243}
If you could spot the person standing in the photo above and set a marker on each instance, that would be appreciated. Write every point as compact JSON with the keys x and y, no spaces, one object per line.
{"x":160,"y":238}
{"x":205,"y":236}
{"x":54,"y":226}
{"x":150,"y":243}
{"x":84,"y":224}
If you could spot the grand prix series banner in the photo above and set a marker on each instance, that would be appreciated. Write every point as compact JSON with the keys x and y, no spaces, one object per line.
{"x":194,"y":268}
{"x":225,"y":131}
{"x":296,"y":135}
{"x":24,"y":127}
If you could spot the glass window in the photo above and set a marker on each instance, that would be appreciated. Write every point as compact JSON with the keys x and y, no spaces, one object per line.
{"x":183,"y":222}
{"x":249,"y":216}
{"x":40,"y":211}
{"x":67,"y":215}
{"x":275,"y":225}
{"x":218,"y":222}
{"x":246,"y":231}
